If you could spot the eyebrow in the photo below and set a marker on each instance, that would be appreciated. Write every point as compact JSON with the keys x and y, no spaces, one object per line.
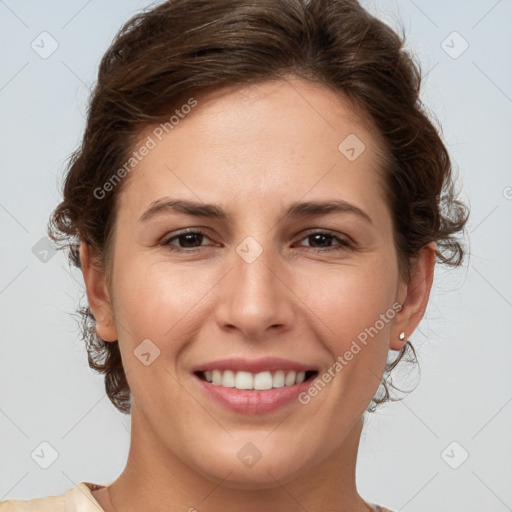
{"x":166,"y":205}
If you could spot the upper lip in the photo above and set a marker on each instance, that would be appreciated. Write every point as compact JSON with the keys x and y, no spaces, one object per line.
{"x":253,"y":365}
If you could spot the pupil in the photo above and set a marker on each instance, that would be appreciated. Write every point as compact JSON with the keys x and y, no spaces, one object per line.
{"x":188,"y":238}
{"x":321,"y":237}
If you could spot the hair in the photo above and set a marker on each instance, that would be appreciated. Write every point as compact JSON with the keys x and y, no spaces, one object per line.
{"x":185,"y":47}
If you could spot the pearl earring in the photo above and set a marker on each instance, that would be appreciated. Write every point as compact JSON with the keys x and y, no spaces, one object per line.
{"x":402,"y":335}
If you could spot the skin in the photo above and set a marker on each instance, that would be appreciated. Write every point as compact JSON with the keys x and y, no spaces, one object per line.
{"x":252,"y":151}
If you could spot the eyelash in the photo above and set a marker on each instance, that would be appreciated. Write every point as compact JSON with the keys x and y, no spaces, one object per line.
{"x":344,"y":244}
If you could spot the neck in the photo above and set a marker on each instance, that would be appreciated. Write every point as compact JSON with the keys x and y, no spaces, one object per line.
{"x":156,"y":479}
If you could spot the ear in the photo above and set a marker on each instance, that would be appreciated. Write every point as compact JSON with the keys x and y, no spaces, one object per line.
{"x":414,"y":296}
{"x":97,"y":294}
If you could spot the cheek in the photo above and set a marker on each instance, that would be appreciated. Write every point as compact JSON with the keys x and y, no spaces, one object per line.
{"x":154,"y":301}
{"x":158,"y":300}
{"x":356,"y":305}
{"x":351,"y":299}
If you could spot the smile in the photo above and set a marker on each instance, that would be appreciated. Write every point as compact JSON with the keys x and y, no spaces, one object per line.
{"x":260,"y":381}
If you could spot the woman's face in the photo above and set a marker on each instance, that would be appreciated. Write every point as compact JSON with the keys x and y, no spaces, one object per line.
{"x":261,"y":277}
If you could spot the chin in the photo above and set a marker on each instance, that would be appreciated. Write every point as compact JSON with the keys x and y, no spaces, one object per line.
{"x":266,"y":470}
{"x":267,"y":476}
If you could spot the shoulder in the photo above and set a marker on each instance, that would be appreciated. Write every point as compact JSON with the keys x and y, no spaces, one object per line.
{"x":77,"y":499}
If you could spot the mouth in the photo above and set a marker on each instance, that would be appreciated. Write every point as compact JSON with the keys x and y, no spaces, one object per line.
{"x":254,"y":386}
{"x":261,"y":381}
{"x":248,"y":393}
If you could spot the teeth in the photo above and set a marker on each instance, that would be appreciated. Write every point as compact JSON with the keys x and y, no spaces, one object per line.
{"x":243,"y":380}
{"x":216,"y":377}
{"x":278,"y":379}
{"x":228,"y":379}
{"x":258,"y":381}
{"x":290,"y":379}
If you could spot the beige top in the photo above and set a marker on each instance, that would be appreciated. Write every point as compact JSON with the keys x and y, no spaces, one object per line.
{"x":77,"y":499}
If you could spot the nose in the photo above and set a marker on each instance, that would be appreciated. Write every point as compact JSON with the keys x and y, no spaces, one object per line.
{"x":256,"y":298}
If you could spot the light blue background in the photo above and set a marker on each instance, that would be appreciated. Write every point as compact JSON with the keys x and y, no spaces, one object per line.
{"x":47,"y":391}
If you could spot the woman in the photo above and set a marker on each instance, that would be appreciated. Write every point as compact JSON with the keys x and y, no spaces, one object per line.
{"x":257,"y":208}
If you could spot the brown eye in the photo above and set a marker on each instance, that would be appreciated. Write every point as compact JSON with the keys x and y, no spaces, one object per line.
{"x":185,"y":240}
{"x":324,"y":240}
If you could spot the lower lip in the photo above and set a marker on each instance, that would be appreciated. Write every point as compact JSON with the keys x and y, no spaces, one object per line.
{"x":253,"y":402}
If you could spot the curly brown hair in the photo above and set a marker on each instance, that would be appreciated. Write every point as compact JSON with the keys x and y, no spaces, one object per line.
{"x":184,"y":47}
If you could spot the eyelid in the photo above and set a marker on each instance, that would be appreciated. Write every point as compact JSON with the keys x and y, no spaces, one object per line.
{"x":342,"y":239}
{"x":324,"y":231}
{"x":175,"y":234}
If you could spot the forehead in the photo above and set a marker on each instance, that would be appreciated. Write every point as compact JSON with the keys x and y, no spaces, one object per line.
{"x":259,"y":143}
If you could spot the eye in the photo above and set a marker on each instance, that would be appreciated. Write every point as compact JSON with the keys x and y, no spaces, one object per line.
{"x":189,"y":239}
{"x":322,"y":241}
{"x":192,"y":240}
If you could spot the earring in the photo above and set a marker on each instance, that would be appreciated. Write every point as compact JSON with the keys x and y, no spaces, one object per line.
{"x":402,"y":335}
